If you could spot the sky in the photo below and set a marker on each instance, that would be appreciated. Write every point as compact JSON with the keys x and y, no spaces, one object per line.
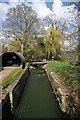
{"x":42,"y":7}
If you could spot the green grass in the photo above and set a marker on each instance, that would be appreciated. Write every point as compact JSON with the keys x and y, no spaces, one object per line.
{"x":14,"y":75}
{"x":70,"y":72}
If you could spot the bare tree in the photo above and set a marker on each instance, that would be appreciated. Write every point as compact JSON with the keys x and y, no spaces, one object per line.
{"x":21,"y":21}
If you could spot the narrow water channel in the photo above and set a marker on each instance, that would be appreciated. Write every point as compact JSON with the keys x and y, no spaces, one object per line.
{"x":37,"y":100}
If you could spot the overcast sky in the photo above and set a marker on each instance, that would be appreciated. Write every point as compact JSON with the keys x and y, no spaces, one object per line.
{"x":42,"y":7}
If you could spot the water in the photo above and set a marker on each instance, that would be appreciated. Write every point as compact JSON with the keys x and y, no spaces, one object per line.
{"x":38,"y":100}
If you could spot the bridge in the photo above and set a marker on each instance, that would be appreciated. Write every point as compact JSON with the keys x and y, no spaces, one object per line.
{"x":38,"y":64}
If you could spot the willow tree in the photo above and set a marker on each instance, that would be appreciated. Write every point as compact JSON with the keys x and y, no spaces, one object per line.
{"x":14,"y":46}
{"x":21,"y":22}
{"x":53,"y":43}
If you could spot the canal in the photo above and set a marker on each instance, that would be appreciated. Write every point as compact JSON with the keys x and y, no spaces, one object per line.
{"x":38,"y":100}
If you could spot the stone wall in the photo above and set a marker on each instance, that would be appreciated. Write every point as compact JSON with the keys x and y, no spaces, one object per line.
{"x":12,"y":96}
{"x":6,"y":108}
{"x":17,"y":88}
{"x":0,"y":110}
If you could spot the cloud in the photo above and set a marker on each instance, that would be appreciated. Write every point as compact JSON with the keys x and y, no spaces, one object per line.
{"x":4,"y":7}
{"x":65,"y":12}
{"x":68,"y":13}
{"x":40,"y":7}
{"x":70,"y":0}
{"x":13,"y":3}
{"x":3,"y":10}
{"x":57,"y":8}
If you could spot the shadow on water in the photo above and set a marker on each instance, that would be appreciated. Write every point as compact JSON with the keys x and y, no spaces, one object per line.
{"x":38,"y":100}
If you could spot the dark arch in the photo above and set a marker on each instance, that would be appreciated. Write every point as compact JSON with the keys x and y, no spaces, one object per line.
{"x":13,"y":59}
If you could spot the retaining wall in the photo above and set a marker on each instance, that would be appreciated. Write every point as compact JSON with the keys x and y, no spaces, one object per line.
{"x":6,"y":108}
{"x":0,"y":110}
{"x":13,"y":94}
{"x":17,"y":88}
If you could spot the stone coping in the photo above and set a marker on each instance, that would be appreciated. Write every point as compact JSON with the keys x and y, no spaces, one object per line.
{"x":3,"y":92}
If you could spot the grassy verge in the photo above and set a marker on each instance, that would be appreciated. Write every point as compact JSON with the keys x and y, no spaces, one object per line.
{"x":70,"y":72}
{"x":14,"y":75}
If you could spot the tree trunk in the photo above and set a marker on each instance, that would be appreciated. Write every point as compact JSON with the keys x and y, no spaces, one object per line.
{"x":22,"y":49}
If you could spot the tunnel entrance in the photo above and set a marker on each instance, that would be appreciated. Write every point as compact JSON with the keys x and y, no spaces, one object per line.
{"x":13,"y":59}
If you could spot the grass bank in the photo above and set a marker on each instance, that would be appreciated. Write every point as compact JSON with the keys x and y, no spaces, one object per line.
{"x":68,"y":71}
{"x":14,"y":75}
